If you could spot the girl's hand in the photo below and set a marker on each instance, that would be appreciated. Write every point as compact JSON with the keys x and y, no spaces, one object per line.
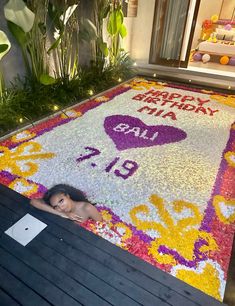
{"x":74,"y":217}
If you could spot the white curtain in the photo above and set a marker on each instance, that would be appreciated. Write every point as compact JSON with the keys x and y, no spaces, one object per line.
{"x":173,"y":30}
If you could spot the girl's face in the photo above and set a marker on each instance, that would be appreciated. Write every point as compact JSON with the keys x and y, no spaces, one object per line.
{"x":61,"y":202}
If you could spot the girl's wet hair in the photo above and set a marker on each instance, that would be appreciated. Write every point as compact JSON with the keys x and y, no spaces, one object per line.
{"x":74,"y":193}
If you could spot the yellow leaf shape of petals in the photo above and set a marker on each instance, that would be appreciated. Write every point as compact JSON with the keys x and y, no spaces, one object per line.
{"x":22,"y":136}
{"x":211,"y":244}
{"x":230,"y":158}
{"x":128,"y":232}
{"x":144,"y":84}
{"x":9,"y":159}
{"x":183,"y":242}
{"x":101,"y":99}
{"x":189,"y":221}
{"x":144,"y":225}
{"x":207,"y":91}
{"x":218,"y":203}
{"x":207,"y":280}
{"x":71,"y":114}
{"x":179,"y":236}
{"x":227,"y":100}
{"x":30,"y":188}
{"x":166,"y":259}
{"x":106,"y":215}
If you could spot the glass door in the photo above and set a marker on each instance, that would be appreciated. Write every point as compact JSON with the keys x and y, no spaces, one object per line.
{"x":173,"y":27}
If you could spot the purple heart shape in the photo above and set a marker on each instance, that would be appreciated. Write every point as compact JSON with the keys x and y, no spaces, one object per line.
{"x":129,"y":132}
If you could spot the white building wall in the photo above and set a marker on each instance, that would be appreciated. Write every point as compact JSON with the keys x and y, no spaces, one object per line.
{"x":139,"y":31}
{"x":140,"y":28}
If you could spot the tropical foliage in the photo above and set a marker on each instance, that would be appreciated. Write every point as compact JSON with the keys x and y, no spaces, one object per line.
{"x":5,"y":46}
{"x":51,"y":35}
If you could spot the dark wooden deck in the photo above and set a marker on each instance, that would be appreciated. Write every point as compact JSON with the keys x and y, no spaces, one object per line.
{"x":67,"y":265}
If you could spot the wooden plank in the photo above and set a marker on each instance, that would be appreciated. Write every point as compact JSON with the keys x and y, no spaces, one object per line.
{"x":7,"y":214}
{"x":155,"y":276}
{"x":130,"y":289}
{"x":97,"y":285}
{"x":4,"y":223}
{"x":72,"y":268}
{"x":33,"y":280}
{"x":6,"y":300}
{"x":65,"y":283}
{"x":19,"y":291}
{"x":102,"y":272}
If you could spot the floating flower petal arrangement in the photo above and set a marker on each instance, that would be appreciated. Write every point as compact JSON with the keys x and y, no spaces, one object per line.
{"x":159,"y":161}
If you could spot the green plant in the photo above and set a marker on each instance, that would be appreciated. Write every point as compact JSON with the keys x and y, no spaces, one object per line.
{"x":69,"y":31}
{"x":29,"y":30}
{"x":123,"y":68}
{"x":64,"y":25}
{"x":24,"y":103}
{"x":5,"y":46}
{"x":36,"y":45}
{"x":116,"y":29}
{"x":39,"y":94}
{"x":100,"y":48}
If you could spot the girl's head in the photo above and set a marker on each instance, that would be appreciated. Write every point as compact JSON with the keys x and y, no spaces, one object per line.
{"x":62,"y":197}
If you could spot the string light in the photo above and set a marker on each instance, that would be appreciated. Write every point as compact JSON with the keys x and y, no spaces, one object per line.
{"x":90,"y":92}
{"x":190,"y":81}
{"x":134,"y":64}
{"x":21,"y":120}
{"x":229,"y":87}
{"x":119,"y":80}
{"x":154,"y":75}
{"x":55,"y":107}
